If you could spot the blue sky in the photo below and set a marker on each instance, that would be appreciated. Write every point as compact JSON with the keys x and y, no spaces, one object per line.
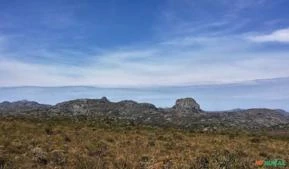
{"x":142,"y":43}
{"x":129,"y":44}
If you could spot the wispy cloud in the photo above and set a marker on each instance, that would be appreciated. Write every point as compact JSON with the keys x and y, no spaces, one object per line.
{"x":281,"y":35}
{"x":171,"y":63}
{"x":209,"y":50}
{"x":208,"y":18}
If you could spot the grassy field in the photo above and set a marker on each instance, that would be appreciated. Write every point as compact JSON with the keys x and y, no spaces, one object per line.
{"x":27,"y":143}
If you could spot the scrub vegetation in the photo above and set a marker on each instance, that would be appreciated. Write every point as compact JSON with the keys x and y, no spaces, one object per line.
{"x":82,"y":144}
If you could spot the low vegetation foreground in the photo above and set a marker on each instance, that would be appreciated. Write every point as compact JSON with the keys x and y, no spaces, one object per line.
{"x":100,"y":144}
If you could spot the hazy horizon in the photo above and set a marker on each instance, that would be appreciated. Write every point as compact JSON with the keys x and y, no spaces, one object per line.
{"x":272,"y":94}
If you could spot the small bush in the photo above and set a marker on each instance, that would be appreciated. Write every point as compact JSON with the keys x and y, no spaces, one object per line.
{"x":255,"y":140}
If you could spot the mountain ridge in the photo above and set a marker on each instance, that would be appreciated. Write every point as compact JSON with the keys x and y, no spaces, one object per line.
{"x":186,"y":113}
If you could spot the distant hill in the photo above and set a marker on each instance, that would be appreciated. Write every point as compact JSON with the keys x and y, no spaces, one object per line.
{"x":186,"y":113}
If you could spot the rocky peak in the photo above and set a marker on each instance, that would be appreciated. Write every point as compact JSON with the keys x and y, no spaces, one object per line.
{"x":104,"y":99}
{"x":186,"y":105}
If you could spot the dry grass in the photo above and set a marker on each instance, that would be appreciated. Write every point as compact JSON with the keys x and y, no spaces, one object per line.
{"x":29,"y":144}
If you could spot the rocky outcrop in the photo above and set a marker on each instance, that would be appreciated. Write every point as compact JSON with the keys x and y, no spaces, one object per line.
{"x":22,"y":107}
{"x":186,"y":113}
{"x":186,"y":106}
{"x":103,"y":107}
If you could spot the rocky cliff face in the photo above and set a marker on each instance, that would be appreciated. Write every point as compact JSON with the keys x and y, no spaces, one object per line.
{"x":186,"y":113}
{"x":186,"y":106}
